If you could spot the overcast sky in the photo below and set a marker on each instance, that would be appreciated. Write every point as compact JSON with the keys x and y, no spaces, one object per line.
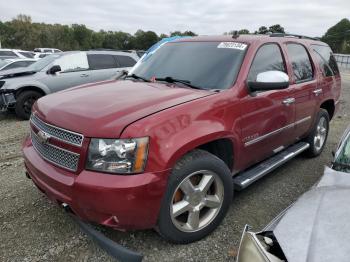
{"x":308,"y":17}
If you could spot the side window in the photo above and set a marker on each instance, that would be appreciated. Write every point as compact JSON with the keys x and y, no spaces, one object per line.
{"x":125,"y":61}
{"x":326,"y":60}
{"x":267,"y":58}
{"x":101,"y":61}
{"x":73,"y":62}
{"x":301,"y":64}
{"x":7,"y":53}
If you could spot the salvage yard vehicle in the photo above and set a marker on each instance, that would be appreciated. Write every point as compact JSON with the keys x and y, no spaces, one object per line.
{"x":165,"y":146}
{"x":20,"y":88}
{"x":15,"y":63}
{"x":15,"y":53}
{"x":315,"y":227}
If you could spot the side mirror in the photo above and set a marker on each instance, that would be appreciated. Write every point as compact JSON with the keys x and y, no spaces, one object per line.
{"x":54,"y":69}
{"x":269,"y":80}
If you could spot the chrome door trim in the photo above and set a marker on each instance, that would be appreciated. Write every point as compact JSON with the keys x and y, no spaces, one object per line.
{"x":260,"y":138}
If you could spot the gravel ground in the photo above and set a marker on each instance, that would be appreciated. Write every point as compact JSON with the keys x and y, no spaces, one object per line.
{"x":33,"y":229}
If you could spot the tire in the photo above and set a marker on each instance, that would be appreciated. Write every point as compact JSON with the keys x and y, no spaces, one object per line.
{"x":319,"y":134}
{"x":197,"y":168}
{"x":24,"y":103}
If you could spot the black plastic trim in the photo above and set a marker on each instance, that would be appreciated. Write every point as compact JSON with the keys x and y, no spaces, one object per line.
{"x":112,"y":248}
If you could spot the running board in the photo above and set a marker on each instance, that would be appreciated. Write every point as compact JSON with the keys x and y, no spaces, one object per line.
{"x":246,"y":178}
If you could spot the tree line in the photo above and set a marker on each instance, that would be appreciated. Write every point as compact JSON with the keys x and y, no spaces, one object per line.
{"x":22,"y":33}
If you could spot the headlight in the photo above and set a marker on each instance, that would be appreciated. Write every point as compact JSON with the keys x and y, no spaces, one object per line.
{"x":118,"y":155}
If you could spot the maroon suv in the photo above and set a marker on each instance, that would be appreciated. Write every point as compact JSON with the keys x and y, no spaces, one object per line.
{"x":165,"y":146}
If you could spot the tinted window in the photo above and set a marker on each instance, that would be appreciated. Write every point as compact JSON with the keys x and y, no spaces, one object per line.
{"x":101,"y":61}
{"x":208,"y":65}
{"x":301,"y":64}
{"x":48,"y":51}
{"x":125,"y":61}
{"x":7,"y":53}
{"x":268,"y":58}
{"x":326,"y":60}
{"x":27,"y":54}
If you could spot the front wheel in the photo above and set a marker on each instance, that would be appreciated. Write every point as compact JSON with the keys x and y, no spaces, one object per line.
{"x":24,"y":103}
{"x":318,"y":136}
{"x":199,"y":193}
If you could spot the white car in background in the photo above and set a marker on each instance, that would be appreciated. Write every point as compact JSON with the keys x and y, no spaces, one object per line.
{"x":46,"y":50}
{"x":15,"y":53}
{"x":15,"y":63}
{"x":41,"y":55}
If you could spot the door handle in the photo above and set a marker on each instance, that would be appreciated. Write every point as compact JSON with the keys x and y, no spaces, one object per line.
{"x":84,"y":75}
{"x":317,"y":92}
{"x":288,"y":101}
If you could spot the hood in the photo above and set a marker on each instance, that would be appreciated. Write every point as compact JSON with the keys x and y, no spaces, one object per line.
{"x":104,"y":109}
{"x":316,"y":228}
{"x":16,"y":72}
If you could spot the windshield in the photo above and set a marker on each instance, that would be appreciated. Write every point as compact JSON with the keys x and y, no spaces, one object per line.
{"x":42,"y":63}
{"x":3,"y":62}
{"x":208,"y":65}
{"x":342,"y":158}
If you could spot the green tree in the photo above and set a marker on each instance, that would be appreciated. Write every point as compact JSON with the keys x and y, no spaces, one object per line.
{"x":338,"y":37}
{"x":263,"y":30}
{"x":276,"y":29}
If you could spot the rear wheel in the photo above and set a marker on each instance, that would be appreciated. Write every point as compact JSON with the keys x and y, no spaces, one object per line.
{"x":199,"y":193}
{"x":24,"y":103}
{"x":318,"y":136}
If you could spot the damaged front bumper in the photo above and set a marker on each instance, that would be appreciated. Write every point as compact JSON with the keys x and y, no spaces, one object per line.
{"x":7,"y":99}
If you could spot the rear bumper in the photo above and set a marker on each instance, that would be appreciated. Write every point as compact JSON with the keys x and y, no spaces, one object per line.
{"x":119,"y":201}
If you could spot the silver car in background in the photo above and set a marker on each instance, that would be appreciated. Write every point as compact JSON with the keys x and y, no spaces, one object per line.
{"x":20,"y":88}
{"x":16,"y":63}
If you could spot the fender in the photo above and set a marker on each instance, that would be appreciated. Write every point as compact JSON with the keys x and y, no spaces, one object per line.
{"x":182,"y":128}
{"x":16,"y":86}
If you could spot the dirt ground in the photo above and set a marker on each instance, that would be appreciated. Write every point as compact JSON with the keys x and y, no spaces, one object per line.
{"x":33,"y":229}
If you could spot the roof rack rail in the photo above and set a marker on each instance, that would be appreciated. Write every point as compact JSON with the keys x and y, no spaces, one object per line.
{"x":293,"y":35}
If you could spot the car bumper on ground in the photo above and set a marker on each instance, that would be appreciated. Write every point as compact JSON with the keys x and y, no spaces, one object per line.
{"x":118,"y":201}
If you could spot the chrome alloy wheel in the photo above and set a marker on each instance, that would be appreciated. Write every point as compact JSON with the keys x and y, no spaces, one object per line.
{"x":197,"y":201}
{"x":321,"y":134}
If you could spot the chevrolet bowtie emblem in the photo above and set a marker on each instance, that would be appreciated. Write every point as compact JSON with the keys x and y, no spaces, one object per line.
{"x":43,"y":137}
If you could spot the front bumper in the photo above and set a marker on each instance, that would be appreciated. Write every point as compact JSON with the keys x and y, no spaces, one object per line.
{"x":7,"y":99}
{"x":118,"y":201}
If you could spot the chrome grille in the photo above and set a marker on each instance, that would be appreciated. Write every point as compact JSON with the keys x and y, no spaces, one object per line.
{"x":56,"y":155}
{"x":56,"y":132}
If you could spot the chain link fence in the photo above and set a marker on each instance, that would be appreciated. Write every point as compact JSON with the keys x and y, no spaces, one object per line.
{"x":343,"y":60}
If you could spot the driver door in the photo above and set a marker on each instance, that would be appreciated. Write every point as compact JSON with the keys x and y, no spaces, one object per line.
{"x":74,"y":71}
{"x":267,"y":117}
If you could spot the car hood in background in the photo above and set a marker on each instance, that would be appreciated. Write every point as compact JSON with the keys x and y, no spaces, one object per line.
{"x":16,"y":72}
{"x":104,"y":109}
{"x":316,"y":228}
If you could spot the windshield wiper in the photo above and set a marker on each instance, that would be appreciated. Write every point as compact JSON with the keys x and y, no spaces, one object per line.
{"x":138,"y":77}
{"x":170,"y":79}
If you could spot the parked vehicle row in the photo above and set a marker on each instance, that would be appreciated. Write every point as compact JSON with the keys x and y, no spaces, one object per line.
{"x":166,"y":145}
{"x":15,"y":53}
{"x":20,"y":88}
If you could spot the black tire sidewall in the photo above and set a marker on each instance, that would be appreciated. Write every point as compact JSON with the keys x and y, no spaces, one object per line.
{"x":312,"y":151}
{"x":194,"y":161}
{"x":21,"y":99}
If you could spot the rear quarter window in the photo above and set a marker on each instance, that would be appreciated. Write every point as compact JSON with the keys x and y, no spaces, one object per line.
{"x":301,"y":63}
{"x":326,"y":60}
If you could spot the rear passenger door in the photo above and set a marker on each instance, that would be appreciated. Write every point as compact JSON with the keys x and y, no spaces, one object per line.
{"x":102,"y":66}
{"x":303,"y":86}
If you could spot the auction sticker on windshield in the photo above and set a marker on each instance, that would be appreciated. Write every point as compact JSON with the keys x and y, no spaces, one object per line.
{"x":232,"y":45}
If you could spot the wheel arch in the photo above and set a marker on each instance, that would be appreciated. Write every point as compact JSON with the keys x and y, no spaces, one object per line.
{"x":30,"y":88}
{"x":329,"y":106}
{"x":220,"y":145}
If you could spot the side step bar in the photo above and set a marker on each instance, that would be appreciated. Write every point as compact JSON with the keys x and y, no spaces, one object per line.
{"x":246,"y":178}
